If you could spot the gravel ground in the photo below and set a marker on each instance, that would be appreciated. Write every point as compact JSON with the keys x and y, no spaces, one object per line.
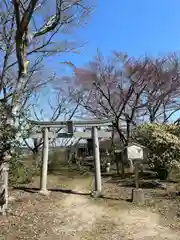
{"x":73,"y":216}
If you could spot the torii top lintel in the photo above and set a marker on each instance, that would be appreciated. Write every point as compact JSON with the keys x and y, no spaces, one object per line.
{"x":84,"y":123}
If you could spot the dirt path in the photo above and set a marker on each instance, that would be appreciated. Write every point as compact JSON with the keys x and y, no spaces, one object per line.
{"x":82,"y":218}
{"x":75,"y":217}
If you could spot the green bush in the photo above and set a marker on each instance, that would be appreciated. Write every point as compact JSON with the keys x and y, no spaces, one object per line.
{"x":163,"y":143}
{"x":10,"y":144}
{"x":19,"y":174}
{"x":22,"y":169}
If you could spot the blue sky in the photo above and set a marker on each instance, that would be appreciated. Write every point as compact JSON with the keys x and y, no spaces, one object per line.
{"x":137,"y":27}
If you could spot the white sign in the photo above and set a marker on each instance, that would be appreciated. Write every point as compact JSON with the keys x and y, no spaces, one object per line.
{"x":135,"y":152}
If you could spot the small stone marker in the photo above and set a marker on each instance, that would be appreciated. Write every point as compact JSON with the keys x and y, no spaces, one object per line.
{"x":138,"y":196}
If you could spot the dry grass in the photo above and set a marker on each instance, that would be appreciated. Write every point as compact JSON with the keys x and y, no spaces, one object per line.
{"x":73,"y":216}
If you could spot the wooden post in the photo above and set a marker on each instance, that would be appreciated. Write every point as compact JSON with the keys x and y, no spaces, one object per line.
{"x":44,"y":167}
{"x":137,"y":193}
{"x":137,"y":174}
{"x":98,"y":186}
{"x":131,"y":168}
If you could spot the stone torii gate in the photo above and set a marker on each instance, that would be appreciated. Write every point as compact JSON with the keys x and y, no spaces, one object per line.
{"x":69,"y":125}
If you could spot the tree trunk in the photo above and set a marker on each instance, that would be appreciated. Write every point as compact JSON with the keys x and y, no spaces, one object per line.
{"x":122,"y":167}
{"x":152,"y":118}
{"x":12,"y":118}
{"x":117,"y":161}
{"x":4,"y":164}
{"x":36,"y":157}
{"x":4,"y":167}
{"x":123,"y":158}
{"x":13,"y":111}
{"x":117,"y":168}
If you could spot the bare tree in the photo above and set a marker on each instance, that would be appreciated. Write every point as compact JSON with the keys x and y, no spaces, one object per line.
{"x":112,"y":89}
{"x":162,"y":95}
{"x":65,"y":14}
{"x":8,"y":74}
{"x":129,"y":90}
{"x":34,"y":36}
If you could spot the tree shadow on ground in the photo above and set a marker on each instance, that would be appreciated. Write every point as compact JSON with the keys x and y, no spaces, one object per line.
{"x":116,"y":199}
{"x":148,"y":175}
{"x":130,"y":177}
{"x":35,"y":190}
{"x":69,"y":191}
{"x":143,"y":184}
{"x":117,"y":176}
{"x":130,"y":183}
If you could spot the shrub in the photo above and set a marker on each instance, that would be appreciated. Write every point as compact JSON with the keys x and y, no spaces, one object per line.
{"x":163,"y":143}
{"x":19,"y":174}
{"x":22,"y":170}
{"x":10,"y":142}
